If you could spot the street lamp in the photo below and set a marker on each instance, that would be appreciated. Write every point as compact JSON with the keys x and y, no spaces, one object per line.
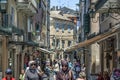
{"x":3,"y":5}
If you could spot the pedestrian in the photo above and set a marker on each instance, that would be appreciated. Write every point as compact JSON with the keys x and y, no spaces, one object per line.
{"x":8,"y":74}
{"x":32,"y":73}
{"x":56,"y":66}
{"x":106,"y":76}
{"x":48,"y":69}
{"x":77,"y":69}
{"x":65,"y":73}
{"x":115,"y":74}
{"x":81,"y":76}
{"x":83,"y":68}
{"x":22,"y":75}
{"x":100,"y":76}
{"x":70,"y":64}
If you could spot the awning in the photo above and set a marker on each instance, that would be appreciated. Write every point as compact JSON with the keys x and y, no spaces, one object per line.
{"x":46,"y":51}
{"x":93,"y":40}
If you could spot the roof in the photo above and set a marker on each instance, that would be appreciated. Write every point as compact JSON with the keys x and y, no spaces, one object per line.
{"x":66,"y":10}
{"x":69,"y":15}
{"x":56,"y":14}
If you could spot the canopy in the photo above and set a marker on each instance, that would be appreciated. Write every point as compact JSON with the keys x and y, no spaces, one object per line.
{"x":94,"y":39}
{"x":46,"y":51}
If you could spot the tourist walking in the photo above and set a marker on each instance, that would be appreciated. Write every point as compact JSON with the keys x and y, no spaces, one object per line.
{"x":65,"y":73}
{"x":8,"y":74}
{"x":22,"y":75}
{"x":32,"y":73}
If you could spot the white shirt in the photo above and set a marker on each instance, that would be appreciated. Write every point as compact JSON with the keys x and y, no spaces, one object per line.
{"x":56,"y":67}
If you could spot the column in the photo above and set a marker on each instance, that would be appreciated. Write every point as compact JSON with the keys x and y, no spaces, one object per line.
{"x":4,"y":54}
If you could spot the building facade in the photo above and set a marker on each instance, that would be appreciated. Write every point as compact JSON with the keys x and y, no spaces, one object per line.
{"x":22,"y":32}
{"x":102,"y":41}
{"x":61,"y":34}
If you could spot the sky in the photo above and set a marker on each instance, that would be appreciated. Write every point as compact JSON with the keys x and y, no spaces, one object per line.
{"x":68,"y":3}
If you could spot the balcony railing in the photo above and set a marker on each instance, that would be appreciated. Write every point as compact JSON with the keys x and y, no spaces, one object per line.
{"x":8,"y":27}
{"x":28,"y":6}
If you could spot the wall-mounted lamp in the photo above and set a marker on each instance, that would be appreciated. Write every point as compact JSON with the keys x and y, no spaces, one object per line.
{"x":93,"y":17}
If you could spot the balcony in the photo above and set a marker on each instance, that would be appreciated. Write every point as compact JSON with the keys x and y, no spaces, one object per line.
{"x":27,"y":6}
{"x":8,"y":28}
{"x":111,"y":6}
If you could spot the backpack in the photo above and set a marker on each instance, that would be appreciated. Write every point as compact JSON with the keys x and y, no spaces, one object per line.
{"x":77,"y":68}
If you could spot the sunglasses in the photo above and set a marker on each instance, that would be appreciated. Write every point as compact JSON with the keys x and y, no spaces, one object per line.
{"x":64,"y":66}
{"x":9,"y":73}
{"x":33,"y":64}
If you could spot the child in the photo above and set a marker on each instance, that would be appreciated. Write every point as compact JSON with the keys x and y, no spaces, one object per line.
{"x":22,"y":75}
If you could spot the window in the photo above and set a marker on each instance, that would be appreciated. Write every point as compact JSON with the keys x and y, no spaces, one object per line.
{"x":69,"y":28}
{"x":57,"y":27}
{"x":37,"y":27}
{"x":53,"y":42}
{"x":12,"y":15}
{"x":69,"y":43}
{"x":57,"y":42}
{"x":63,"y":42}
{"x":110,"y":25}
{"x":102,"y":17}
{"x":63,"y":28}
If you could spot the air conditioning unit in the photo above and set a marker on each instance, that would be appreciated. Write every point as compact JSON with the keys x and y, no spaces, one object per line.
{"x":14,"y":37}
{"x":21,"y":38}
{"x":37,"y":38}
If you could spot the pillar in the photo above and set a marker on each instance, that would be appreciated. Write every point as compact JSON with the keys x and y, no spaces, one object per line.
{"x":4,"y":54}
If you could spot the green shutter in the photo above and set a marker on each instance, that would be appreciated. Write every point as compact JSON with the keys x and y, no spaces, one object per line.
{"x":86,"y":23}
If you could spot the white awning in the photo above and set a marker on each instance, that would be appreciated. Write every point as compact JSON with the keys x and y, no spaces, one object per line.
{"x":46,"y":51}
{"x":93,"y":40}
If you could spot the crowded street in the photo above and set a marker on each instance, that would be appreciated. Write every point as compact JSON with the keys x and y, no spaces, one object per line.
{"x":59,"y":39}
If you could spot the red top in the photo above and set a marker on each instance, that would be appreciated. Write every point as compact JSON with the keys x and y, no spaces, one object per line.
{"x":10,"y":79}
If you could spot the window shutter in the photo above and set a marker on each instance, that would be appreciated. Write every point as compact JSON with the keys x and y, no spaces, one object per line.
{"x":86,"y":23}
{"x":118,"y":41}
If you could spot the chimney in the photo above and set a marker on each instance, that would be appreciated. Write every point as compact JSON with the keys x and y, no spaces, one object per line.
{"x":56,"y":8}
{"x":60,"y":8}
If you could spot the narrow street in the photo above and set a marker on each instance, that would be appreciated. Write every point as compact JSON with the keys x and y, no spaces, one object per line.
{"x":60,"y":39}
